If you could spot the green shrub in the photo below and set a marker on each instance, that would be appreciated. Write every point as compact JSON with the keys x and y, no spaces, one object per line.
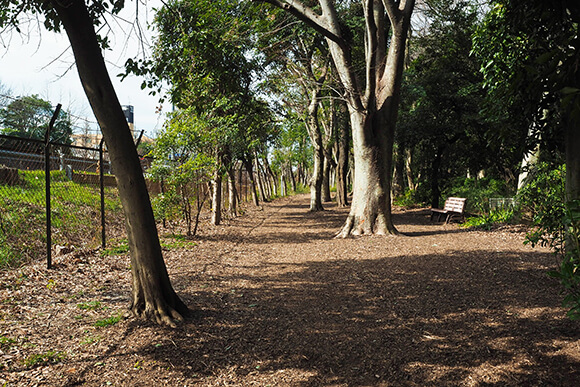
{"x":494,"y":218}
{"x":407,"y":200}
{"x":557,"y":226}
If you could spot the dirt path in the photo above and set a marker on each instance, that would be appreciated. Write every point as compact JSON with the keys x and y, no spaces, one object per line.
{"x":279,"y":302}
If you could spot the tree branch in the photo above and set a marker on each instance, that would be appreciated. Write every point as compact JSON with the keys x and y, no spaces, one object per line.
{"x":308,"y":16}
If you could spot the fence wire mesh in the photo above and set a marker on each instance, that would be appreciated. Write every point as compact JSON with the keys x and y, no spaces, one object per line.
{"x":75,"y":199}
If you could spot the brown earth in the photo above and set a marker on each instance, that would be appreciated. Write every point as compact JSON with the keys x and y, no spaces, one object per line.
{"x":279,"y":302}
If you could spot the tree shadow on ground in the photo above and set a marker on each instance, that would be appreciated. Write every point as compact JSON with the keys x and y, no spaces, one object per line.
{"x":488,"y":319}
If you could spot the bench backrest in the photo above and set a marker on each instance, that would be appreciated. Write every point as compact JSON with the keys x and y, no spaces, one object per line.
{"x":455,"y":204}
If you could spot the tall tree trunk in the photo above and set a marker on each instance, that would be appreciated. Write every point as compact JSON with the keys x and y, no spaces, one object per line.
{"x":233,"y":194}
{"x":216,"y":199}
{"x":435,"y":166}
{"x":409,"y":170}
{"x":153,"y":296}
{"x":342,"y":153}
{"x":249,"y":165}
{"x":316,"y":137}
{"x":326,"y":180}
{"x":399,"y":172}
{"x":283,"y":191}
{"x":260,"y":180}
{"x":292,"y":177}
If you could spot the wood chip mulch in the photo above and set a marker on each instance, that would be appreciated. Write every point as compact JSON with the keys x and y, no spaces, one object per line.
{"x":278,"y":301}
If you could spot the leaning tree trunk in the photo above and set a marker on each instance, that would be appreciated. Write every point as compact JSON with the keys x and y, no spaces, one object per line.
{"x":153,"y":296}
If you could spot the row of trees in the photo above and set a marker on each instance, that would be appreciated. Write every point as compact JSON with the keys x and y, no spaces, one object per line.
{"x":336,"y":76}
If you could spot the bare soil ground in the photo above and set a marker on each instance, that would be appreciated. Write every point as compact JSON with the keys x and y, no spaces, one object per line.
{"x":279,"y":302}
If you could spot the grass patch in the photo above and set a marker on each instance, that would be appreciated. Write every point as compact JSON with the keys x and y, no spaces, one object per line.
{"x":90,"y":340}
{"x":6,"y":342}
{"x":109,"y":321}
{"x":120,"y":248}
{"x":50,"y":357}
{"x":91,"y":305}
{"x":176,"y":241}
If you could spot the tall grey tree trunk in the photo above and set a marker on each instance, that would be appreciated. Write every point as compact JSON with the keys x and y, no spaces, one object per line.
{"x":316,"y":137}
{"x":153,"y":296}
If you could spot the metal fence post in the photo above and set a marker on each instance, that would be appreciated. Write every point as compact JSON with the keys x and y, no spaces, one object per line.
{"x":47,"y":187}
{"x":102,"y":183}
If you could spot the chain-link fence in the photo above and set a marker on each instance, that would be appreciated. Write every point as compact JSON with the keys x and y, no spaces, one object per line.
{"x":77,"y":194}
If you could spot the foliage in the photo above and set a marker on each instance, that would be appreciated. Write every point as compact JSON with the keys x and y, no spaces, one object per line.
{"x":557,"y":226}
{"x":11,"y":14}
{"x":529,"y":63}
{"x":569,"y":273}
{"x":407,"y":200}
{"x":118,"y":248}
{"x":29,"y":116}
{"x":493,"y":218}
{"x":182,"y":165}
{"x":543,"y":198}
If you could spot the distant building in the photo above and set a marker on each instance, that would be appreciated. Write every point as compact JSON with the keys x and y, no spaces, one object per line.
{"x":129,"y":115}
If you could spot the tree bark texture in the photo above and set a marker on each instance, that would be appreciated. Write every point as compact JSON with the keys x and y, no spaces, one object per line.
{"x":153,"y":296}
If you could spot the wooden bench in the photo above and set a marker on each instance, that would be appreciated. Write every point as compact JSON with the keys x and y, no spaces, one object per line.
{"x":453,"y":207}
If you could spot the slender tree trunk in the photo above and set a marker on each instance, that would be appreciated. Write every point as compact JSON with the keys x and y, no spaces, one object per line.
{"x":153,"y":296}
{"x":259,"y":178}
{"x":409,"y":170}
{"x":316,"y":137}
{"x":233,"y":195}
{"x":435,"y":166}
{"x":399,"y":172}
{"x":216,"y":202}
{"x":248,"y":164}
{"x":342,"y":152}
{"x":292,"y":177}
{"x":326,"y":180}
{"x":283,"y":191}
